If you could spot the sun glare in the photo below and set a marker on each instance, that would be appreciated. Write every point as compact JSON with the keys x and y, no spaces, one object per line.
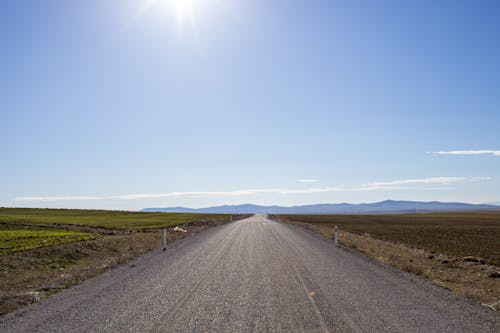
{"x":183,"y":8}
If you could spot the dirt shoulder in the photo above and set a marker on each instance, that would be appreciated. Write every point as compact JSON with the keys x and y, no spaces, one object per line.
{"x":468,"y":277}
{"x":29,"y":276}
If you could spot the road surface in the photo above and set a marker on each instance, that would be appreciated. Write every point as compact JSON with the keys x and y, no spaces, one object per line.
{"x":253,"y":275}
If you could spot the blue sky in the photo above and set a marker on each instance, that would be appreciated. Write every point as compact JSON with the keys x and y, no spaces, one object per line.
{"x":126,"y":104}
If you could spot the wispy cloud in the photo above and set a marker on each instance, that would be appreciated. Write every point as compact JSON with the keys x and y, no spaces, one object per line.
{"x":307,"y":180}
{"x":432,"y":180}
{"x":438,"y":183}
{"x":183,"y":194}
{"x":468,"y":152}
{"x":227,"y":193}
{"x":404,"y":183}
{"x":59,"y":198}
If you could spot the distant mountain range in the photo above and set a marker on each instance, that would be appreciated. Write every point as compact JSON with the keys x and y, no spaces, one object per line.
{"x":388,"y":206}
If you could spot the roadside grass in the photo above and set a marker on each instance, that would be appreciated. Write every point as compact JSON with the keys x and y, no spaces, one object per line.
{"x":103,"y":218}
{"x":30,"y":276}
{"x":43,"y":251}
{"x":399,"y":241}
{"x":14,"y":240}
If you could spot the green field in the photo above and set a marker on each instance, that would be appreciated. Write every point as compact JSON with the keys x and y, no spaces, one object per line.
{"x":14,"y":240}
{"x":103,"y":218}
{"x":456,"y":234}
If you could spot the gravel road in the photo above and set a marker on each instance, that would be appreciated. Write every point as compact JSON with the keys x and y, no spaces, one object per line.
{"x":253,"y":275}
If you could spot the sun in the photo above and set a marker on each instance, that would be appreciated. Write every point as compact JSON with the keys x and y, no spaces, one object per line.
{"x":186,"y":11}
{"x":183,"y":8}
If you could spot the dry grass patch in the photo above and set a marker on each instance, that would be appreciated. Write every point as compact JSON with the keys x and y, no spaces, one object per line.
{"x":29,"y":276}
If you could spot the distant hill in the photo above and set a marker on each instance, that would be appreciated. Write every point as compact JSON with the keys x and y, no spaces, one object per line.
{"x":388,"y":206}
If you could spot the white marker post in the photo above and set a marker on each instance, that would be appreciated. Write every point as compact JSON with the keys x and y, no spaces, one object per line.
{"x":164,"y":239}
{"x":336,"y":236}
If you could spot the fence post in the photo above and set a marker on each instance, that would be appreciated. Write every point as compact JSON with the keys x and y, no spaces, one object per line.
{"x":164,"y":239}
{"x":336,"y":236}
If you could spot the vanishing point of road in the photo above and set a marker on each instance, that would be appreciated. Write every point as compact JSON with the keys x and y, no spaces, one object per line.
{"x":254,"y":275}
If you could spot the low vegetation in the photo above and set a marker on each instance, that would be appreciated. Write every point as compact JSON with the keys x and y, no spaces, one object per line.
{"x":458,"y":251}
{"x":43,"y":251}
{"x":14,"y":240}
{"x":103,"y":218}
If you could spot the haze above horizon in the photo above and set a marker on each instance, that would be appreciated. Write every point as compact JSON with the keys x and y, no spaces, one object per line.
{"x":127,"y":104}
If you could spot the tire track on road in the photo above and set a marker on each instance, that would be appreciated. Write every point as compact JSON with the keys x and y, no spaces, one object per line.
{"x":292,"y":269}
{"x":306,"y":280}
{"x":183,"y":299}
{"x":189,"y":254}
